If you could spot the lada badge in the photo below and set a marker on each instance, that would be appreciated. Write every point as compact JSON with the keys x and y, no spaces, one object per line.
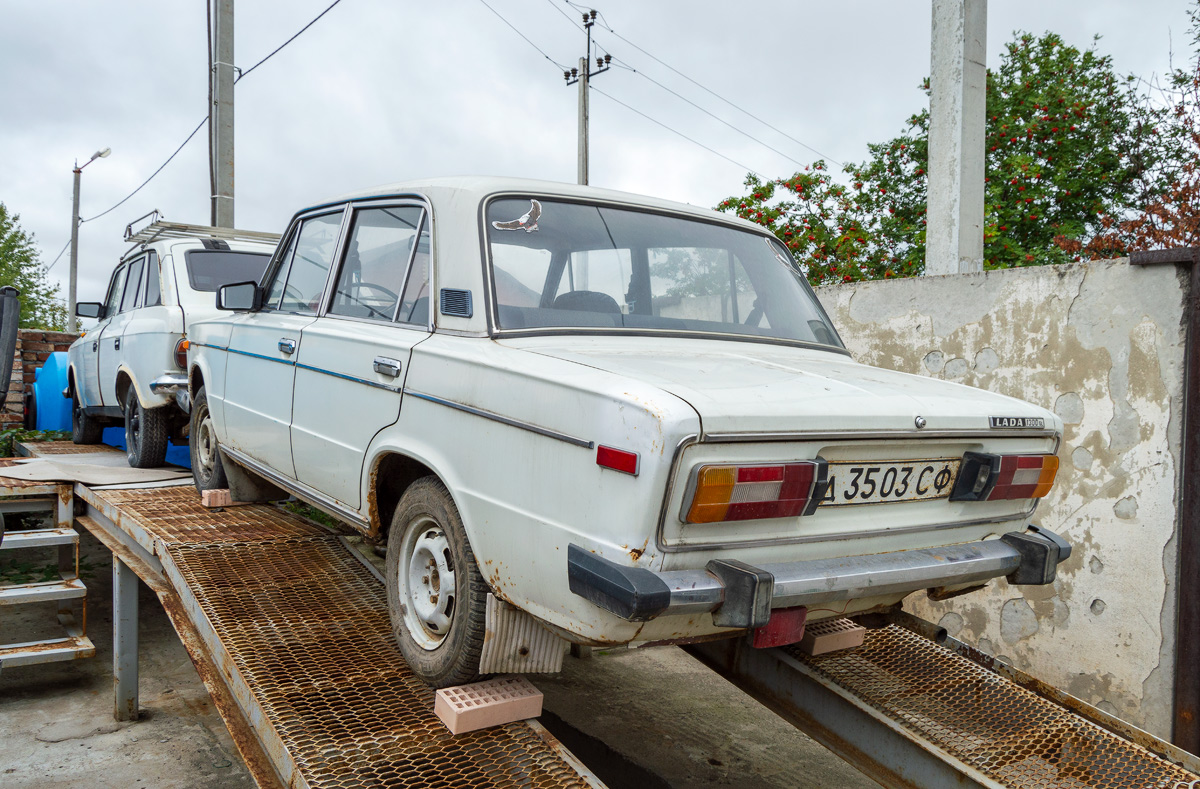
{"x":1018,"y":422}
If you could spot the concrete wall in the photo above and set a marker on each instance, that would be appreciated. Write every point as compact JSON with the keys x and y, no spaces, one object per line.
{"x":1101,"y":344}
{"x":33,"y":348}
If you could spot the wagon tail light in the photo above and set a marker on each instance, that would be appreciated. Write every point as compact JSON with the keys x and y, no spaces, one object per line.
{"x":986,"y":477}
{"x":181,"y":348}
{"x":740,"y":493}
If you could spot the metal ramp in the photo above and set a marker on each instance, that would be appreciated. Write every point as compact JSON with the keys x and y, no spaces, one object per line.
{"x":913,"y":707}
{"x":288,"y":629}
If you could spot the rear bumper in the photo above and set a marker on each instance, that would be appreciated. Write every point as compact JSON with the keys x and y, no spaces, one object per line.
{"x":741,"y":595}
{"x":169,"y":383}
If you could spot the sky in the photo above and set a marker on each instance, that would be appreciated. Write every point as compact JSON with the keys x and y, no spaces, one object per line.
{"x":380,"y":91}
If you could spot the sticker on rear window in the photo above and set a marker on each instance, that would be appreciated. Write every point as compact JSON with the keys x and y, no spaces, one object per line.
{"x":528,"y":222}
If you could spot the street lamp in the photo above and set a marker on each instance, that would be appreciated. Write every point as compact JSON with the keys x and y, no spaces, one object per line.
{"x":72,"y":327}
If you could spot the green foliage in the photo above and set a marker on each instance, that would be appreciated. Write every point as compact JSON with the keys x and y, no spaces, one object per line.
{"x":20,"y":267}
{"x":1069,"y":144}
{"x":15,"y":435}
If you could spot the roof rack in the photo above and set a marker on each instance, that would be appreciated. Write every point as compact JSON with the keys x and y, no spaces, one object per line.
{"x":159,"y":229}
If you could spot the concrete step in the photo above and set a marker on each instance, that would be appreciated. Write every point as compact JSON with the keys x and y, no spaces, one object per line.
{"x":38,"y":538}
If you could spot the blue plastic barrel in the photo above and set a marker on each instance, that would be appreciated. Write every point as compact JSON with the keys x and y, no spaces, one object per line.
{"x":49,"y":381}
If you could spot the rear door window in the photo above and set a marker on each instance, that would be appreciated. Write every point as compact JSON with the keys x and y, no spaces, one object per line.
{"x":133,"y":284}
{"x":377,"y":256}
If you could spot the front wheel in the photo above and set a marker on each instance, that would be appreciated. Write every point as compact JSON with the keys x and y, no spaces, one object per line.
{"x":84,"y":429}
{"x":207,"y":470}
{"x":145,"y":433}
{"x":436,"y":597}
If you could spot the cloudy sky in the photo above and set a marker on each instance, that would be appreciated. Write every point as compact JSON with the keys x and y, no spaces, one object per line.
{"x":387,"y":90}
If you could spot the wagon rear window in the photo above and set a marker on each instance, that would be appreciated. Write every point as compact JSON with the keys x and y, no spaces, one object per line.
{"x":210,"y":269}
{"x":559,"y":265}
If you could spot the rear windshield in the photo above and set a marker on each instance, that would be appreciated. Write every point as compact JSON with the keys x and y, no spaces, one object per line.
{"x":209,"y":269}
{"x":570,"y":266}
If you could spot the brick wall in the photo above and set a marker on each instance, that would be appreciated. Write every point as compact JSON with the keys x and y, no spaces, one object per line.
{"x":33,"y":347}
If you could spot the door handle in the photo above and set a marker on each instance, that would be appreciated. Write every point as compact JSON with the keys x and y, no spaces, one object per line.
{"x":386,"y":366}
{"x":117,"y":344}
{"x":95,"y":346}
{"x":287,"y":346}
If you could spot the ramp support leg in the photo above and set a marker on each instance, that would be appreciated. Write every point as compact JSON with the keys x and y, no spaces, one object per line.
{"x":125,"y":642}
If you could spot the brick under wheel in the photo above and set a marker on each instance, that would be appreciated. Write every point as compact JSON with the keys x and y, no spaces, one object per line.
{"x":436,"y":596}
{"x":145,"y":433}
{"x":84,"y":429}
{"x":207,"y":471}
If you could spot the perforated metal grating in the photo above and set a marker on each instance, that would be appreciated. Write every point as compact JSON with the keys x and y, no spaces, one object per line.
{"x":304,"y":625}
{"x":39,"y":448}
{"x":1008,"y":733}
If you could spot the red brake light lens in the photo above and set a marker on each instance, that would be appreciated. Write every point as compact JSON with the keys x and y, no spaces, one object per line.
{"x":738,"y":493}
{"x":181,"y":353}
{"x":986,"y":477}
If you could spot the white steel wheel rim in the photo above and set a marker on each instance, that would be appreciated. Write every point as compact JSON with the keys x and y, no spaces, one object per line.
{"x":427,"y":582}
{"x":206,"y":444}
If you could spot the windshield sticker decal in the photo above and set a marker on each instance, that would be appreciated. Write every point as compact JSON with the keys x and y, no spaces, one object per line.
{"x":528,"y":222}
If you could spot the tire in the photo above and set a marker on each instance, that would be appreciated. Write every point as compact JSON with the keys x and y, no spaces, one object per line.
{"x":440,"y":635}
{"x":84,"y":429}
{"x":207,"y":470}
{"x":146,"y":432}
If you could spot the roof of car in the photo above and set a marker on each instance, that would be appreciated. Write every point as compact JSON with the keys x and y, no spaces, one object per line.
{"x":476,"y":187}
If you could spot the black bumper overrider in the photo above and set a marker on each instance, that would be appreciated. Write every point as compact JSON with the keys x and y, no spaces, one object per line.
{"x":741,"y":595}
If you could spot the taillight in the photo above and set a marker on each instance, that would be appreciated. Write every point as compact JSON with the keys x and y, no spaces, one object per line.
{"x":738,"y":493}
{"x":181,"y":353}
{"x":986,"y":477}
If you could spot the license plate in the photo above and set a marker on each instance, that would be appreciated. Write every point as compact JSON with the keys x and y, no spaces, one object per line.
{"x":858,"y":482}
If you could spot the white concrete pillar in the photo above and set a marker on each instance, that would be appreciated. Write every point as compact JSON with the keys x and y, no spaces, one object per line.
{"x":957,"y":124}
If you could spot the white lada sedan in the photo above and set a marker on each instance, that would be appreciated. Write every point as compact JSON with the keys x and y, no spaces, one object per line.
{"x":627,"y":418}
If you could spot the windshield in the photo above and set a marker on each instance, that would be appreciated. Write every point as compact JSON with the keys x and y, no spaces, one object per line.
{"x":209,"y":269}
{"x":574,"y":266}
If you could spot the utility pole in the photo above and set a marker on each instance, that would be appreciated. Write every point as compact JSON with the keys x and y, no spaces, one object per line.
{"x":73,"y":276}
{"x":957,"y":119}
{"x":581,"y":75}
{"x":220,"y":116}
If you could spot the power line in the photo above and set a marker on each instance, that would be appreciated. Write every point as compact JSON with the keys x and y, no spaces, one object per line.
{"x":565,"y":14}
{"x":59,"y":255}
{"x":290,"y":40}
{"x":607,"y":27}
{"x":201,"y":124}
{"x":522,"y":35}
{"x":679,"y":133}
{"x":151,"y":178}
{"x":717,"y":117}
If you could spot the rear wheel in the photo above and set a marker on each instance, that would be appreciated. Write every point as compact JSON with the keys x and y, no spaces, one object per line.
{"x":207,"y":470}
{"x":145,"y":433}
{"x":436,"y":596}
{"x":84,"y":429}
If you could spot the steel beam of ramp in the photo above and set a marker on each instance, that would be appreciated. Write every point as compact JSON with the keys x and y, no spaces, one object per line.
{"x":914,"y":708}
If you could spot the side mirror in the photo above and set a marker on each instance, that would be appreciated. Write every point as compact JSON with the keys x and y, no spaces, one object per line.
{"x":89,"y":309}
{"x":239,"y":296}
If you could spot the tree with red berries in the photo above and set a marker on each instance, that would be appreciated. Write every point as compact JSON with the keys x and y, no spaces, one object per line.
{"x":1069,"y":145}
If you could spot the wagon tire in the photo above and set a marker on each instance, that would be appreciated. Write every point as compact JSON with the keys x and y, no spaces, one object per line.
{"x":207,"y":470}
{"x":84,"y":429}
{"x":437,"y":598}
{"x":146,"y":432}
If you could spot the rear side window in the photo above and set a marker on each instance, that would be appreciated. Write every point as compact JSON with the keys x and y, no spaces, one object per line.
{"x":153,"y":290}
{"x":414,"y":308}
{"x":209,"y":269}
